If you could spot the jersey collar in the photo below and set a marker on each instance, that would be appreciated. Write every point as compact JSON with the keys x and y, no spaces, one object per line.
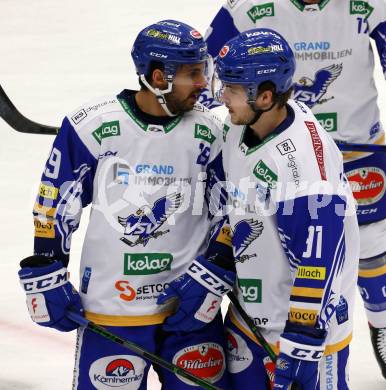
{"x":299,"y":4}
{"x":287,"y":122}
{"x":150,"y":125}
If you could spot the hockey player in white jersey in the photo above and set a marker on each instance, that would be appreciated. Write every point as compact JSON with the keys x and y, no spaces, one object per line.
{"x":334,"y":77}
{"x":293,"y":221}
{"x":140,"y":158}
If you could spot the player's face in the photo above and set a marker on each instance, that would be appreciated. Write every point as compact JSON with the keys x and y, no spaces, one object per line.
{"x":235,"y":98}
{"x":187,"y":85}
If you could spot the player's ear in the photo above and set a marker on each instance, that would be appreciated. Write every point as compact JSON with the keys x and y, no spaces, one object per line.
{"x":158,"y":79}
{"x":265,"y":99}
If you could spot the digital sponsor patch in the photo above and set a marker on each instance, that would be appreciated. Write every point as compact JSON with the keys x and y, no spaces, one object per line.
{"x":286,"y":147}
{"x":79,"y":116}
{"x":205,"y":360}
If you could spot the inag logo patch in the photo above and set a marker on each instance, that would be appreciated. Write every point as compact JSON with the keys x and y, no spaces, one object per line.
{"x":358,"y":7}
{"x":108,"y":129}
{"x":260,"y":11}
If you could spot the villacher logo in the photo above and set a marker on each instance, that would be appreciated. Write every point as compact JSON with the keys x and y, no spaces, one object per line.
{"x":204,"y":360}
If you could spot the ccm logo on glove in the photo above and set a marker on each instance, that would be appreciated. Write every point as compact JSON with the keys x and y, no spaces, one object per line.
{"x":45,"y":282}
{"x":208,"y":279}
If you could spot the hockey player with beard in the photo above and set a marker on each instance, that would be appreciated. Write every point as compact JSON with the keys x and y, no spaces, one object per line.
{"x":293,"y":221}
{"x":140,"y":158}
{"x":334,"y":77}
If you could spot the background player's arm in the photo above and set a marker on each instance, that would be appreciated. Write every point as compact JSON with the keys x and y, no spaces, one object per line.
{"x":221,"y":30}
{"x":66,"y":187}
{"x":379,"y":36}
{"x":314,"y":241}
{"x":313,"y":237}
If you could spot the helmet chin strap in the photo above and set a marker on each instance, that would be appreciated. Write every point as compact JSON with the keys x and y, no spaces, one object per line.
{"x":252,"y":96}
{"x":159,"y":94}
{"x":258,"y":112}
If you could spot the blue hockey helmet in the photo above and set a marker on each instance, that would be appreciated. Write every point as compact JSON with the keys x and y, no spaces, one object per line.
{"x":256,"y":56}
{"x":170,"y":42}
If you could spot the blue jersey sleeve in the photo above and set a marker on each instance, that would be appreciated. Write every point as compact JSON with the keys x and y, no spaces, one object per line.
{"x":66,"y":187}
{"x":379,"y":36}
{"x":314,"y":240}
{"x":215,"y":188}
{"x":221,"y":30}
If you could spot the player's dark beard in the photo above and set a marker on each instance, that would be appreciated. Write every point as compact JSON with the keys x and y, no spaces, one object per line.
{"x":178,"y":106}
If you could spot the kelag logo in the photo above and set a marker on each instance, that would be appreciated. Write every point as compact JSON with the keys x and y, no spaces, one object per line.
{"x":146,"y":263}
{"x":251,"y":290}
{"x":108,"y":129}
{"x":328,"y":120}
{"x":203,"y":132}
{"x":260,"y":11}
{"x":264,"y":173}
{"x":358,"y":7}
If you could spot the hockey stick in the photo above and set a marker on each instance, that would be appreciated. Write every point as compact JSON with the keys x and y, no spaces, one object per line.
{"x":366,"y":148}
{"x":256,"y":332}
{"x":140,"y":351}
{"x":18,"y":121}
{"x":24,"y":125}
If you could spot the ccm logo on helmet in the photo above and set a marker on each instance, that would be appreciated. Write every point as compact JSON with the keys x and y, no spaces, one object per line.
{"x":266,"y":71}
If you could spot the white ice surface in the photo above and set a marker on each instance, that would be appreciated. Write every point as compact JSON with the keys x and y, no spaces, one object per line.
{"x":55,"y":55}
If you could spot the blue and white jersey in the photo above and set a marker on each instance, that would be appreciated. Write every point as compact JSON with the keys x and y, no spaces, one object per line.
{"x":334,"y":58}
{"x":291,"y":212}
{"x":147,"y":185}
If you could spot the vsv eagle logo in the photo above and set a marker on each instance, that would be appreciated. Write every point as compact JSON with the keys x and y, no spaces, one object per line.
{"x":245,"y":231}
{"x":146,"y":222}
{"x":310,"y":92}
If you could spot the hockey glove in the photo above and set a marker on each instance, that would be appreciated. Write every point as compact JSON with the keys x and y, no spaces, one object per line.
{"x":199,"y":292}
{"x":49,"y":293}
{"x":301,"y":348}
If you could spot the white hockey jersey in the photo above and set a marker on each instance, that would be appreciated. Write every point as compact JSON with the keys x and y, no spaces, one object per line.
{"x":334,"y":58}
{"x":291,"y":213}
{"x":149,"y":219}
